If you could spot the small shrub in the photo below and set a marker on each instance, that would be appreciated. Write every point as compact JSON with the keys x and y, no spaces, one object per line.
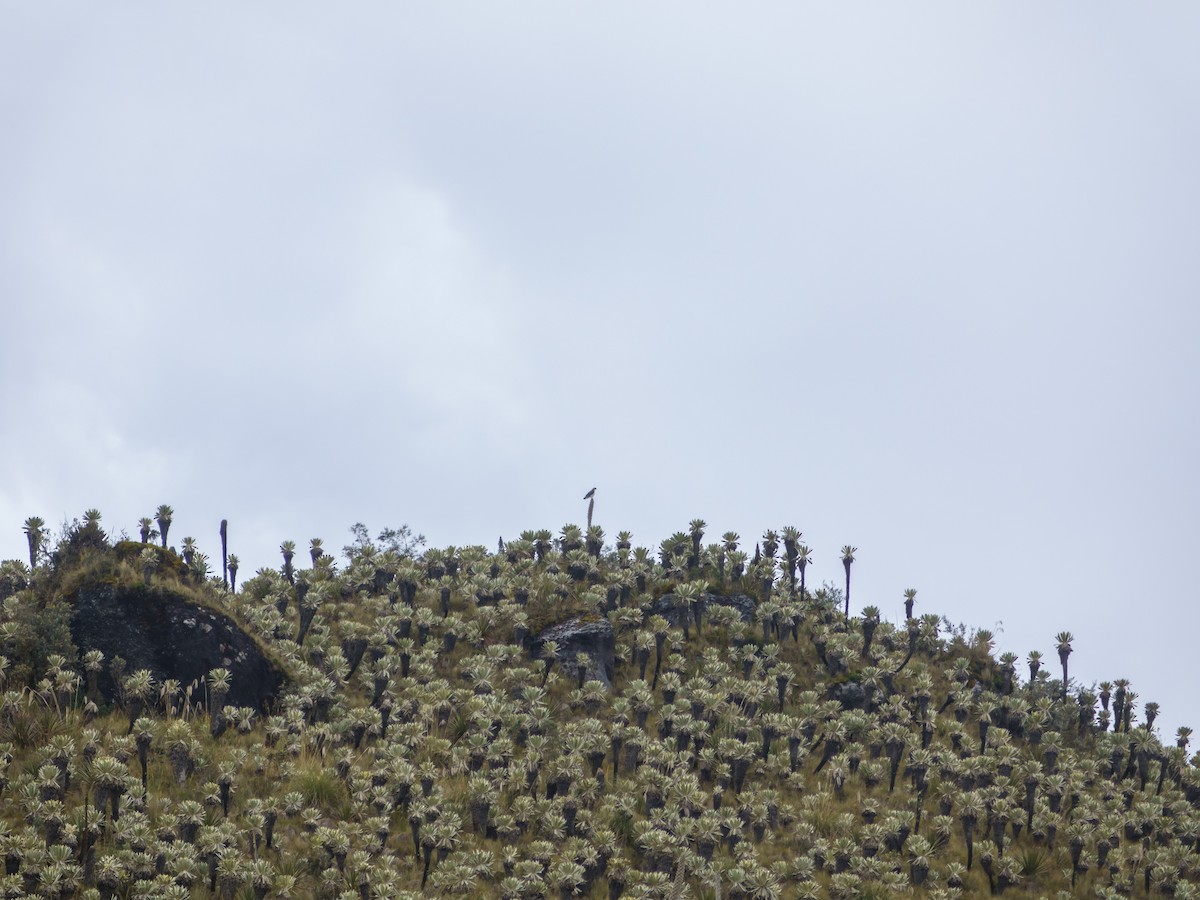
{"x":28,"y":723}
{"x":320,"y":787}
{"x":38,"y":630}
{"x":1033,"y":862}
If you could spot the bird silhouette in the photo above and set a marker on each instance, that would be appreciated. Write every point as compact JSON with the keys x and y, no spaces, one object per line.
{"x":590,"y":497}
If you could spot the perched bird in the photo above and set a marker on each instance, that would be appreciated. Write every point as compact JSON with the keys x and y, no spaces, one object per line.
{"x":590,"y":497}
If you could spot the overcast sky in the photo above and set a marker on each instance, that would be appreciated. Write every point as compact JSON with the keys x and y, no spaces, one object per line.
{"x":921,"y":278}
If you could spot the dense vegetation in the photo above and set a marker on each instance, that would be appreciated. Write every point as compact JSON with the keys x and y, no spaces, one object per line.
{"x":747,"y":737}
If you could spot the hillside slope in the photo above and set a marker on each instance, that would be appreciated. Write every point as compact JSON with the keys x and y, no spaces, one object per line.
{"x":557,"y":719}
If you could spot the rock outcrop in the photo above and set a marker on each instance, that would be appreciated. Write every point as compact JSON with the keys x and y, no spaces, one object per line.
{"x":593,"y":636}
{"x":156,"y":629}
{"x":850,"y":694}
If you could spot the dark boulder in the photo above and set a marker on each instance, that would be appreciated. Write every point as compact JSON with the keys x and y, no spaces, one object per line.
{"x":850,"y":694}
{"x":156,"y":629}
{"x":590,"y":635}
{"x":665,"y":606}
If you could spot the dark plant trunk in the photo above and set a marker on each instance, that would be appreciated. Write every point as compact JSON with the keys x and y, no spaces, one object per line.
{"x":306,"y":617}
{"x":659,"y":643}
{"x":912,"y":648}
{"x":353,"y":651}
{"x":177,"y":754}
{"x":381,"y":682}
{"x":793,"y":753}
{"x":225,"y":552}
{"x":791,"y":569}
{"x":426,"y":856}
{"x":479,"y":815}
{"x":846,"y":563}
{"x":143,"y":752}
{"x":217,"y":723}
{"x":998,"y":829}
{"x":893,"y":766}
{"x":918,"y":873}
{"x":643,"y":660}
{"x":833,"y":746}
{"x":868,"y":629}
{"x":740,"y":769}
{"x":1050,"y":759}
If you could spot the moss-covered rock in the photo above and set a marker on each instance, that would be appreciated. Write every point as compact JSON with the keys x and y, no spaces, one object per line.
{"x":167,"y":562}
